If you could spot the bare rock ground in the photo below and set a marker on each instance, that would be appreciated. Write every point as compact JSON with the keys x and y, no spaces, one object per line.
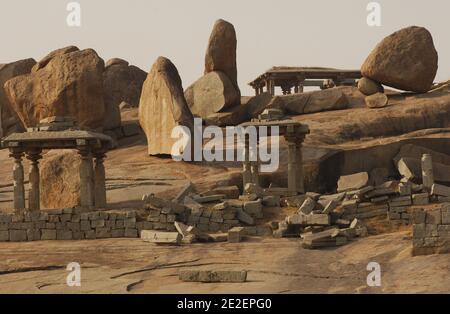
{"x":273,"y":265}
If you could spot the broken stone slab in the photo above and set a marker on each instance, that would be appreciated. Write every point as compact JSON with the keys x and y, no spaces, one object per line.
{"x":295,"y":201}
{"x":338,"y":197}
{"x":187,"y":188}
{"x":181,"y":228}
{"x":411,"y":169}
{"x":308,"y":205}
{"x":161,"y":237}
{"x":193,"y":205}
{"x":219,"y":237}
{"x":309,"y":220}
{"x":212,"y":276}
{"x":157,"y":202}
{"x":221,"y":206}
{"x":440,"y":190}
{"x":315,"y":196}
{"x":199,"y":235}
{"x":330,"y":206}
{"x":208,"y":198}
{"x":244,"y":217}
{"x":404,"y":188}
{"x":230,"y":192}
{"x":353,"y":181}
{"x":235,"y":234}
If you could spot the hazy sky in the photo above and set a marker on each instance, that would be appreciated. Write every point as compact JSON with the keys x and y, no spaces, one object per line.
{"x":284,"y":32}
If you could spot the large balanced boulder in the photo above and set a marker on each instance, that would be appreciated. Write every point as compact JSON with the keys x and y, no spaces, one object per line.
{"x":60,"y":179}
{"x":406,"y":59}
{"x":121,"y":82}
{"x":212,"y":93}
{"x":221,"y":51}
{"x":9,"y":121}
{"x":163,"y":107}
{"x":68,"y":84}
{"x":310,"y":102}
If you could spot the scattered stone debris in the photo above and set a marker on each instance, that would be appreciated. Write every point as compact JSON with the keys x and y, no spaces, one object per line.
{"x":161,"y":237}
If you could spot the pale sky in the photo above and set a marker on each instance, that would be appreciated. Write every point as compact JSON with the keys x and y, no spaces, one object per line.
{"x":326,"y":33}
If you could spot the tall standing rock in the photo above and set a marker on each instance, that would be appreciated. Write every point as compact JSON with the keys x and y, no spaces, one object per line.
{"x":68,"y":84}
{"x":221,"y":51}
{"x":9,"y":121}
{"x":121,"y":82}
{"x":406,"y":59}
{"x":163,"y":107}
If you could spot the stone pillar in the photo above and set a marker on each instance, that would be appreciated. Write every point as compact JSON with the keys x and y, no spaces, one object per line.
{"x":299,"y":175}
{"x":261,"y":90}
{"x":86,"y":180}
{"x":34,"y":198}
{"x":254,"y":165}
{"x":100,"y":181}
{"x":18,"y":177}
{"x":246,"y":172}
{"x":427,"y":172}
{"x":292,"y":168}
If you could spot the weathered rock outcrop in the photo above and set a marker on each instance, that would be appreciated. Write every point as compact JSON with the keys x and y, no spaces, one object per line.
{"x":60,"y":179}
{"x":9,"y":121}
{"x":406,"y":59}
{"x":68,"y":84}
{"x":212,"y":93}
{"x":163,"y":107}
{"x":221,"y":51}
{"x":309,"y":102}
{"x":121,"y":82}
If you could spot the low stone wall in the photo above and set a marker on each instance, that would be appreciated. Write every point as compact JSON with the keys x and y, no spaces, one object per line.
{"x":431,"y":230}
{"x":70,"y":224}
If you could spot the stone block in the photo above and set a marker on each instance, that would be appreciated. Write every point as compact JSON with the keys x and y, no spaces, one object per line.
{"x":4,"y":235}
{"x":64,"y":234}
{"x":212,"y":276}
{"x":219,"y":237}
{"x":89,"y":235}
{"x":244,"y":217}
{"x":130,"y":223}
{"x":235,"y":234}
{"x":330,"y":206}
{"x":307,"y":206}
{"x":230,"y":192}
{"x":208,"y":198}
{"x":353,"y":181}
{"x":433,"y":216}
{"x":33,"y":235}
{"x":440,"y":190}
{"x":117,"y":233}
{"x":420,"y":199}
{"x":102,"y":233}
{"x":48,"y":234}
{"x":161,"y":237}
{"x":17,"y":235}
{"x":131,"y":233}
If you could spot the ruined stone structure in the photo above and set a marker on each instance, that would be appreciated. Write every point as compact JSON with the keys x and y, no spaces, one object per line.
{"x":54,"y":133}
{"x":299,"y":77}
{"x":294,"y":133}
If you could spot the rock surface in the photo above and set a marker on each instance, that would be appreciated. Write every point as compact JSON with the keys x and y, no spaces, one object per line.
{"x":163,"y":107}
{"x":68,"y":84}
{"x":9,"y":121}
{"x":406,"y":59}
{"x":310,"y":102}
{"x":121,"y":82}
{"x":212,"y":93}
{"x":221,"y":51}
{"x":369,"y":87}
{"x":60,"y":179}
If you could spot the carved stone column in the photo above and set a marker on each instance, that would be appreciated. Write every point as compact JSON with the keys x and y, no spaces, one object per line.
{"x":18,"y":177}
{"x":292,"y":168}
{"x":34,"y":198}
{"x":86,"y":179}
{"x":99,"y":181}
